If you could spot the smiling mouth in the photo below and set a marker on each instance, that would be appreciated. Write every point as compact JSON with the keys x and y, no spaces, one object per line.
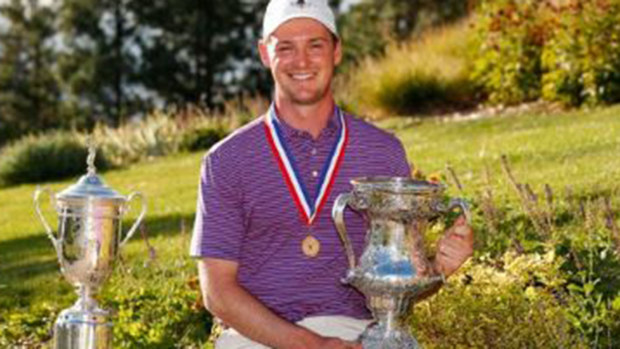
{"x":302,"y":77}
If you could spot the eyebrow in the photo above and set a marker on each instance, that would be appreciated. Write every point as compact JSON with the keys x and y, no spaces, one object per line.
{"x":290,"y":42}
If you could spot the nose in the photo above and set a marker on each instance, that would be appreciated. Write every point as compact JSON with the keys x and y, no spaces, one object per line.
{"x":303,"y":58}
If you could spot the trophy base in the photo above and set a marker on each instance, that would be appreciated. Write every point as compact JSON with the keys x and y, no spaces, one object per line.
{"x":78,"y":328}
{"x":377,"y":336}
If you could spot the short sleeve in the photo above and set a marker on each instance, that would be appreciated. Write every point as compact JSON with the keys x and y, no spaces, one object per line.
{"x":219,"y":227}
{"x":400,"y":165}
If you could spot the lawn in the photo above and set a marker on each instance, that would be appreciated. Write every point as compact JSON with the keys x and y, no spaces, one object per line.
{"x":576,"y":149}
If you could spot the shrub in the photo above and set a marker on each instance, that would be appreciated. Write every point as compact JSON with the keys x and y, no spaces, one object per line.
{"x":505,"y":303}
{"x":202,"y":138}
{"x":582,"y":59}
{"x":561,"y":51}
{"x":28,"y":328}
{"x":510,"y":35}
{"x":172,"y":317}
{"x":45,"y":157}
{"x":428,"y":74}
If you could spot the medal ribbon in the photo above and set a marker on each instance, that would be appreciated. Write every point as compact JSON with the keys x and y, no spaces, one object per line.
{"x":309,"y":210}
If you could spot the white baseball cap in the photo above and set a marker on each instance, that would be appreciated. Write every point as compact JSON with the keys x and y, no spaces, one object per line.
{"x":280,"y":11}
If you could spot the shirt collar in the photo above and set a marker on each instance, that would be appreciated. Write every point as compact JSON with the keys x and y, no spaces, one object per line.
{"x":289,"y":132}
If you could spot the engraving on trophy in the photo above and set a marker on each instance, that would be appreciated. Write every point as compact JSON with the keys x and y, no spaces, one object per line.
{"x":393,"y":270}
{"x":87,"y":243}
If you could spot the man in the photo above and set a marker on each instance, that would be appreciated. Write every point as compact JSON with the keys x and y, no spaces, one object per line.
{"x":270,"y":258}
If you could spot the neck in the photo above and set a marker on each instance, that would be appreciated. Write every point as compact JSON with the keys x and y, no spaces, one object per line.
{"x":312,"y":118}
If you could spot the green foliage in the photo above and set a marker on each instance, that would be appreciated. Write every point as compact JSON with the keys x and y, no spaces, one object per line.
{"x":57,"y":155}
{"x":427,"y":75}
{"x":202,"y":138}
{"x":81,"y":62}
{"x":511,"y":35}
{"x":567,"y":52}
{"x":161,"y":134}
{"x":29,"y":91}
{"x":170,"y":315}
{"x":582,"y":58}
{"x":46,"y":157}
{"x":27,"y":328}
{"x":488,"y":304}
{"x":390,"y":21}
{"x":156,"y":135}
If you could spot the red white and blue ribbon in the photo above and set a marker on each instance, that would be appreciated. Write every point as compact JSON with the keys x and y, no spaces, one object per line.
{"x":309,"y":209}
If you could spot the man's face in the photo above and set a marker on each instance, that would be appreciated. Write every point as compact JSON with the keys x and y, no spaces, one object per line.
{"x":302,"y":55}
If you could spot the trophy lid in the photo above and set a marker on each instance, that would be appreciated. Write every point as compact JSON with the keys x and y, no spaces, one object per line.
{"x":90,"y":185}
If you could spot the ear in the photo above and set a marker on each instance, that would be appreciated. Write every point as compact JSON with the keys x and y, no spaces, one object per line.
{"x":264,"y":53}
{"x":337,"y":52}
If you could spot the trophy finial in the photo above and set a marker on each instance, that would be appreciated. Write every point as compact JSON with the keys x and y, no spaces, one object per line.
{"x":90,"y":160}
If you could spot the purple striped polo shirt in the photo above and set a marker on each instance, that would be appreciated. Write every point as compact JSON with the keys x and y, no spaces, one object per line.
{"x":245,"y":213}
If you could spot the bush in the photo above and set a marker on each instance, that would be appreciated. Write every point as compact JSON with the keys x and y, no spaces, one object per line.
{"x":567,"y":52}
{"x":202,"y":138}
{"x":582,"y":59}
{"x":172,"y":317}
{"x":510,"y":302}
{"x":510,"y":35}
{"x":429,"y":74}
{"x":45,"y":157}
{"x":28,"y":328}
{"x":58,"y":155}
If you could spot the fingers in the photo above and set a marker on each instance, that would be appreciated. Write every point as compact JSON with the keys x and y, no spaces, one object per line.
{"x":460,"y":220}
{"x":455,"y":248}
{"x":460,"y":229}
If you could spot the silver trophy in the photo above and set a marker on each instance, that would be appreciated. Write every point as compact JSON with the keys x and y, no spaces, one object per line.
{"x":394,"y":269}
{"x":89,"y":237}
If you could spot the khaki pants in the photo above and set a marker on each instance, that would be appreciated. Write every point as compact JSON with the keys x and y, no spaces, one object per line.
{"x":343,"y":327}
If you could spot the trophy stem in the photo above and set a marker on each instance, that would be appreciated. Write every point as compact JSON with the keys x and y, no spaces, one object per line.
{"x":86,"y":299}
{"x":391,"y":330}
{"x":84,"y":325}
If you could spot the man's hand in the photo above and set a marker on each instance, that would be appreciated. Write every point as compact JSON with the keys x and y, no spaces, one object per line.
{"x":455,"y":247}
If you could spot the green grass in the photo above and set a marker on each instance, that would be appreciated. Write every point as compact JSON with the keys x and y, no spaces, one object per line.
{"x":28,"y":260}
{"x":578,"y":149}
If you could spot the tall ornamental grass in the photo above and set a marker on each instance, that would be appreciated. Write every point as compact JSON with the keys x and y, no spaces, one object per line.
{"x":429,"y":74}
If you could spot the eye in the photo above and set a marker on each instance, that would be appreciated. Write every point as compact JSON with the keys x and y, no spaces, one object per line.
{"x":284,"y":49}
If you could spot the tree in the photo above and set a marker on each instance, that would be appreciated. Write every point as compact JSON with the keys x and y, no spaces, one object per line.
{"x":98,"y":61}
{"x":29,"y":92}
{"x":196,"y":51}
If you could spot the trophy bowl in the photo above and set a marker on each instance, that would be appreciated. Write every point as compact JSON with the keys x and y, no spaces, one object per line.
{"x":87,"y":243}
{"x":394,"y":269}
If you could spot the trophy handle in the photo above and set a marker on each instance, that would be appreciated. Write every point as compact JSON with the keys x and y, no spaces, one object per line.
{"x":463,"y":206}
{"x":338,"y":215}
{"x":135,"y":226}
{"x":37,"y":207}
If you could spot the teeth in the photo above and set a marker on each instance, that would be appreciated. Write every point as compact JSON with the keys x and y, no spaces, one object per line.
{"x":301,"y":76}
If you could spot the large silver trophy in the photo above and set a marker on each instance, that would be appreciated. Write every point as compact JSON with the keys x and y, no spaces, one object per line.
{"x":394,"y":269}
{"x":89,"y":237}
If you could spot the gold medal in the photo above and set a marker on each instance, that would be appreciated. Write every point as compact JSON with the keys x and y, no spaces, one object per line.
{"x":310,"y":246}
